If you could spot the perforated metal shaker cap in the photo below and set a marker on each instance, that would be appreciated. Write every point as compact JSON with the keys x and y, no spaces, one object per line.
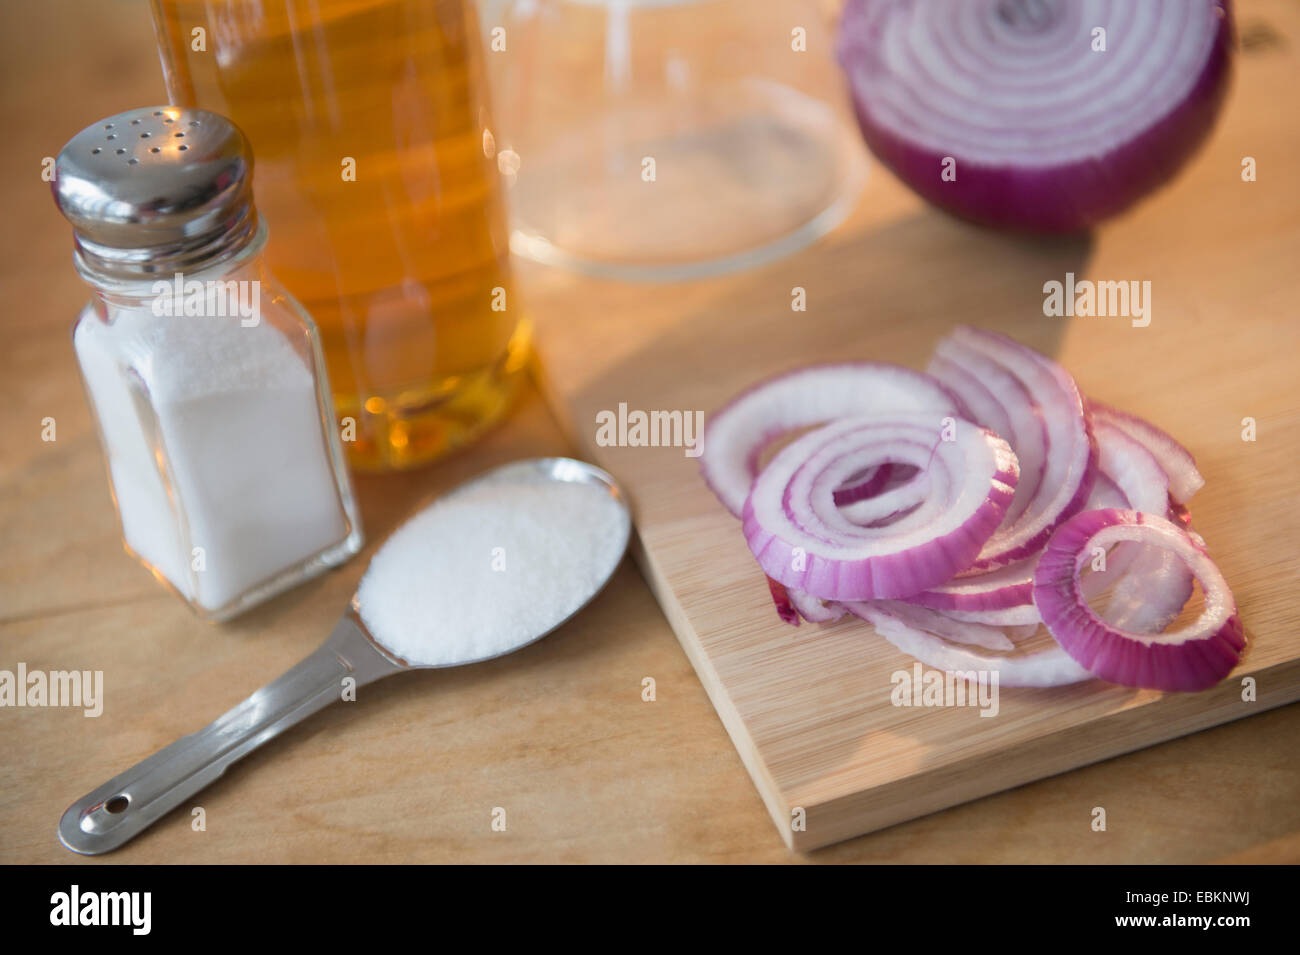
{"x":155,"y":191}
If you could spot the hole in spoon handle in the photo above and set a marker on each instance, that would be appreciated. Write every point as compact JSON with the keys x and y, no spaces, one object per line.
{"x":130,"y":802}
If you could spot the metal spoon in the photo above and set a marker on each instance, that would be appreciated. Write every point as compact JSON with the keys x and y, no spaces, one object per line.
{"x":129,"y":803}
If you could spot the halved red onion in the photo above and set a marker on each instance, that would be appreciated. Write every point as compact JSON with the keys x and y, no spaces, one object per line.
{"x":736,"y":436}
{"x":1048,"y":667}
{"x":1193,"y":658}
{"x":1175,"y":460}
{"x":792,"y":527}
{"x":1006,"y":113}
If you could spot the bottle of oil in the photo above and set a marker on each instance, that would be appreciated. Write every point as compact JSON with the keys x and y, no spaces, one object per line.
{"x":378,"y":177}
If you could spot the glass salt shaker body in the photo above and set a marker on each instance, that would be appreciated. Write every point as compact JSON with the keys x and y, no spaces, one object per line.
{"x":206,"y":378}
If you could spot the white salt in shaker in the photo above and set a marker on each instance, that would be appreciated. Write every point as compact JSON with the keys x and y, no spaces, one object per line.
{"x":206,"y":378}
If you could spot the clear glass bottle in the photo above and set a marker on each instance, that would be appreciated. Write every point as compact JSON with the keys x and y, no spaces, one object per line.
{"x":207,"y":380}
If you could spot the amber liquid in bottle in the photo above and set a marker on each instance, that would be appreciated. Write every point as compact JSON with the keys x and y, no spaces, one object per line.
{"x":376,"y":171}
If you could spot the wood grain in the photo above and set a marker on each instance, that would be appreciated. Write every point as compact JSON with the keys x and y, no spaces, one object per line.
{"x":559,"y":735}
{"x":809,"y":709}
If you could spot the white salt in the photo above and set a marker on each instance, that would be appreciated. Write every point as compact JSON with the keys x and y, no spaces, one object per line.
{"x":489,"y":568}
{"x":234,"y":411}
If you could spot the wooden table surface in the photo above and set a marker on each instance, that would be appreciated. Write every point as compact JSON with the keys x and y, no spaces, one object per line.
{"x":557,"y":735}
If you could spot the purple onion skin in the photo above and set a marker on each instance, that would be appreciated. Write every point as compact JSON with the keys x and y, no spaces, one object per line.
{"x":868,"y":488}
{"x":785,"y":608}
{"x":1060,"y":199}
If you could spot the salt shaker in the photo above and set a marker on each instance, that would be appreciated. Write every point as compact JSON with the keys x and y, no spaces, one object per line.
{"x":206,"y":379}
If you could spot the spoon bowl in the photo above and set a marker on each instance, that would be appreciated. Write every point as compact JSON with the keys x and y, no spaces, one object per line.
{"x":529,"y":471}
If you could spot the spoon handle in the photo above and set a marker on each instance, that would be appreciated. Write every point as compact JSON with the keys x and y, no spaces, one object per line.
{"x":129,"y":803}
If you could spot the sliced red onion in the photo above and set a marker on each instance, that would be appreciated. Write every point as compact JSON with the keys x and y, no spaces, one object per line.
{"x":1049,"y":667}
{"x":1105,"y":493}
{"x":1153,"y":592}
{"x":814,"y":609}
{"x":790,"y":518}
{"x":1132,"y":480}
{"x":1193,"y":658}
{"x":956,"y":365}
{"x":1005,"y":596}
{"x":1118,"y":561}
{"x":736,"y":436}
{"x":942,"y":541}
{"x":1035,"y":127}
{"x":785,"y":605}
{"x":864,"y":484}
{"x":1176,"y":461}
{"x":1132,"y":468}
{"x":928,"y":491}
{"x":1009,"y":586}
{"x":1019,"y":633}
{"x":934,"y":622}
{"x":887,"y":505}
{"x":1023,"y":615}
{"x":984,"y":406}
{"x":1070,"y":466}
{"x":1155,"y":583}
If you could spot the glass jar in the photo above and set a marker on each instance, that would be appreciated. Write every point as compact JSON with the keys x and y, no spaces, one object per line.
{"x":206,"y":379}
{"x":661,"y":140}
{"x":377,"y":171}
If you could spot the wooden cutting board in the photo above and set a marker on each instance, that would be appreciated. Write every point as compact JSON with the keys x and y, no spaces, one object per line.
{"x":809,"y":708}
